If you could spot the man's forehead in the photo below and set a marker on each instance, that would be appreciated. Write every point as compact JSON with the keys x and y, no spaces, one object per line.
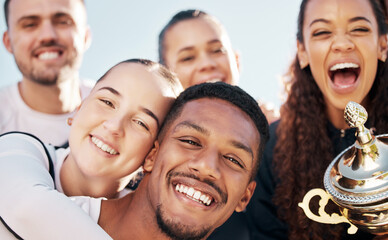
{"x":41,"y":8}
{"x":206,"y":108}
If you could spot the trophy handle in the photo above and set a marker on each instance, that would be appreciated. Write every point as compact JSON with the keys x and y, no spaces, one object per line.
{"x":323,"y":217}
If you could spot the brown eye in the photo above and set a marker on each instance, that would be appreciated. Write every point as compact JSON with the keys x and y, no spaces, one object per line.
{"x":186,"y":59}
{"x":321,"y":33}
{"x":142,"y":124}
{"x":234,"y":161}
{"x":108,"y":103}
{"x":190,"y":142}
{"x":360,"y":30}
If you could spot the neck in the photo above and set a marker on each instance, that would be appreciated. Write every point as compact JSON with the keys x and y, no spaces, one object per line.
{"x":63,"y":97}
{"x":131,"y":217}
{"x":75,"y":183}
{"x":336,"y":117}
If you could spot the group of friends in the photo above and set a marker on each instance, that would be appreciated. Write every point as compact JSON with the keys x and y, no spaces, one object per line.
{"x":175,"y":149}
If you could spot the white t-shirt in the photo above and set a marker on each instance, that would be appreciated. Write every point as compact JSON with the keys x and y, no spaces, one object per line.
{"x":29,"y":200}
{"x":16,"y":115}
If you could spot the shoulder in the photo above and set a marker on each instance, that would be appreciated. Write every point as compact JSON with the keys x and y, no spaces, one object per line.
{"x":272,"y":137}
{"x":25,"y":144}
{"x":10,"y":103}
{"x":9,"y":92}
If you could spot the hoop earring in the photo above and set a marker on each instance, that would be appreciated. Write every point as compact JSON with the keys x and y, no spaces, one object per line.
{"x":69,"y":121}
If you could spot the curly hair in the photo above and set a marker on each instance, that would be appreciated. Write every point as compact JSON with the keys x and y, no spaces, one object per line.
{"x":300,"y":160}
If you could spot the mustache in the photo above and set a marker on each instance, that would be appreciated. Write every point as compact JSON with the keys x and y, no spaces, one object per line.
{"x":224,"y":196}
{"x":50,"y":43}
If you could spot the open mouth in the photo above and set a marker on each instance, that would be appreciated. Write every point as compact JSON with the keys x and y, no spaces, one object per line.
{"x":49,"y":55}
{"x":344,"y":75}
{"x":213,"y":80}
{"x":194,"y":194}
{"x":104,"y":147}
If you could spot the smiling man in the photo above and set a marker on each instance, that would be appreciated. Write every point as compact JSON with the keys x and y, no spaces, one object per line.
{"x":47,"y":39}
{"x":200,"y":170}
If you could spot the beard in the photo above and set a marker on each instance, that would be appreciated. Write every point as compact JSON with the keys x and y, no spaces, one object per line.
{"x":50,"y":75}
{"x":177,"y":230}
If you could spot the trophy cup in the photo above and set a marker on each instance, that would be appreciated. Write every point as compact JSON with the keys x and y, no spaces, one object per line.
{"x":356,"y":180}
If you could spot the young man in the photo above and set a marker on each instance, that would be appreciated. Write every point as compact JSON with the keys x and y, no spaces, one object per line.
{"x":47,"y":39}
{"x":200,"y":170}
{"x":196,"y":46}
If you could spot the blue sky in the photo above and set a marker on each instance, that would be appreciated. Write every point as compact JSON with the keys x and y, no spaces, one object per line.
{"x":263,"y":32}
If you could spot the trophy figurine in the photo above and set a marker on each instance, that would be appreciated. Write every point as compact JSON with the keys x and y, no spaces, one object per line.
{"x":356,"y":180}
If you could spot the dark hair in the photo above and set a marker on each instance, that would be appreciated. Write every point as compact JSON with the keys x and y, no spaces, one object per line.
{"x":6,"y":10}
{"x":377,"y":8}
{"x":179,"y":17}
{"x":170,"y":77}
{"x":229,"y":93}
{"x":300,"y":159}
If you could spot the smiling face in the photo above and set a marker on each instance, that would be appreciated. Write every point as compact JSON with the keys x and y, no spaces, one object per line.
{"x":198,"y":50}
{"x":117,"y":123}
{"x":202,"y":170}
{"x":342,"y":45}
{"x":47,"y":38}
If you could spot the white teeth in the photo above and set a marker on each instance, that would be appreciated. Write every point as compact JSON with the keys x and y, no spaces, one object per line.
{"x":197,"y":194}
{"x":202,"y":197}
{"x":48,"y":55}
{"x":194,"y":194}
{"x":103,"y":146}
{"x":214,"y":80}
{"x":190,"y":192}
{"x":343,"y":66}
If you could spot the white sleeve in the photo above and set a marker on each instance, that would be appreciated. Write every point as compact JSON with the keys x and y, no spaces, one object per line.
{"x":29,"y":204}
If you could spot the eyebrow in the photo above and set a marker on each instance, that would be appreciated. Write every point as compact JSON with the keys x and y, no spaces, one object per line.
{"x":151,"y":114}
{"x":191,"y":125}
{"x":189,"y":48}
{"x":243,"y":147}
{"x":31,"y":17}
{"x":37,"y":17}
{"x":112,"y":90}
{"x":355,"y":19}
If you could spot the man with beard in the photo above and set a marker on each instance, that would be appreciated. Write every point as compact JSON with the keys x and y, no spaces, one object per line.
{"x":200,"y":171}
{"x":48,"y":39}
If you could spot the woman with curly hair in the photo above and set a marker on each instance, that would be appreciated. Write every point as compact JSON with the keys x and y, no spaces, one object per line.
{"x":341,"y":53}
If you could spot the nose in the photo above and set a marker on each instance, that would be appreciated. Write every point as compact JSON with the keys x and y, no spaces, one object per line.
{"x":206,"y":62}
{"x":115,"y":126}
{"x":342,"y":43}
{"x":47,"y":32}
{"x":206,"y":164}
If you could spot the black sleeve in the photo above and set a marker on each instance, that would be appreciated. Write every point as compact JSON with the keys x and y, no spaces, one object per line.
{"x":261,"y":211}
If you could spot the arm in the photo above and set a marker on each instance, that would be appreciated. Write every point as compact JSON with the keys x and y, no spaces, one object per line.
{"x":29,"y":204}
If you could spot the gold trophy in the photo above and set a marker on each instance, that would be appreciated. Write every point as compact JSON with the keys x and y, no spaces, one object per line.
{"x":356,"y":180}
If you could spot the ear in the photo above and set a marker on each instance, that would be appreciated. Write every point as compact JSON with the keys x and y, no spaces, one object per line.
{"x":246,"y":197}
{"x":7,"y":42}
{"x":302,"y":55}
{"x":150,"y":159}
{"x":383,"y":48}
{"x":88,"y":38}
